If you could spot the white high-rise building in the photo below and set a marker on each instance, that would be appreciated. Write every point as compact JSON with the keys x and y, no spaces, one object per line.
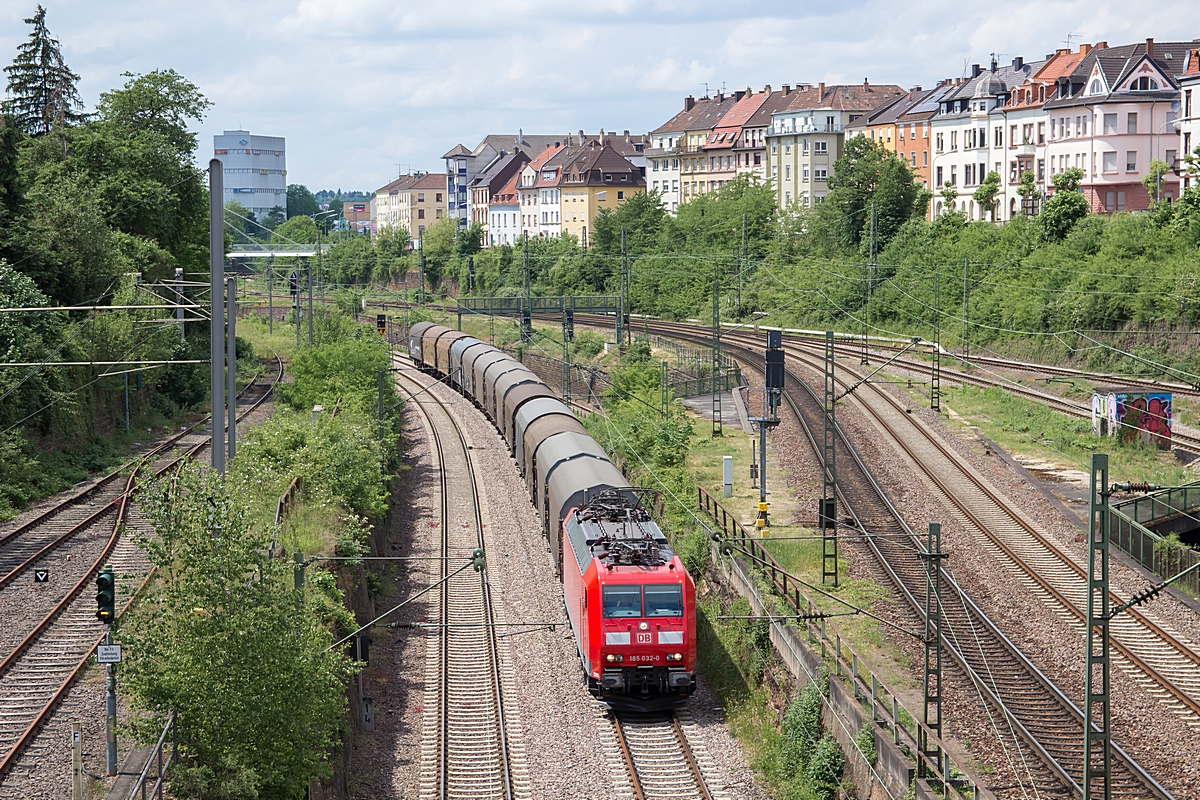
{"x":255,"y":170}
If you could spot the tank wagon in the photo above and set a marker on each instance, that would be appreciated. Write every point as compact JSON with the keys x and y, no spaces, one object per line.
{"x":630,"y":603}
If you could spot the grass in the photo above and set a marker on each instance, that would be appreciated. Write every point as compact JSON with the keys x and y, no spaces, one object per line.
{"x":1025,"y":427}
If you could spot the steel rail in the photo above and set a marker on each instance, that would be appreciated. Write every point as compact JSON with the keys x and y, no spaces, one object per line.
{"x":643,"y":775}
{"x":28,"y":734}
{"x":891,"y":563}
{"x":486,"y":609}
{"x":1051,"y":549}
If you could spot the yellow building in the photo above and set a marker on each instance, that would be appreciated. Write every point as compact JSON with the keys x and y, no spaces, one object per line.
{"x":596,"y":177}
{"x":413,"y":202}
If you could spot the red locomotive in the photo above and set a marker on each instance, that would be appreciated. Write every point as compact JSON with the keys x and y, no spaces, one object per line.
{"x":631,"y":604}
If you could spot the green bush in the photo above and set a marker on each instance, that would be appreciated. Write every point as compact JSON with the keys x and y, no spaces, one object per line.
{"x":588,"y":344}
{"x":864,"y":740}
{"x":825,"y":767}
{"x":801,"y":727}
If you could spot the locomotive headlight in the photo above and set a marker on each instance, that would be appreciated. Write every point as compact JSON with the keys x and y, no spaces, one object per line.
{"x":611,"y":658}
{"x":679,"y":656}
{"x":670,"y":656}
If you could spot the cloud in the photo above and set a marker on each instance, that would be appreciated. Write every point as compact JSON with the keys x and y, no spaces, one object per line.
{"x":362,"y":85}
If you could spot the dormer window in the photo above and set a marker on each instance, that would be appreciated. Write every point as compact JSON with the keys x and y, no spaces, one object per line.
{"x":1095,"y":87}
{"x":1143,"y":84}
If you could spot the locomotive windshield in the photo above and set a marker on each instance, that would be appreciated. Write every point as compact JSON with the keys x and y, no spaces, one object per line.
{"x":664,"y":601}
{"x":626,"y":601}
{"x":622,"y":601}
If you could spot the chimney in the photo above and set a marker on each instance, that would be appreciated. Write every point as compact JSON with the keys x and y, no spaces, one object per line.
{"x":976,"y":70}
{"x":1018,"y":63}
{"x":626,"y":134}
{"x":521,"y":135}
{"x":866,"y":84}
{"x":738,"y":95}
{"x":820,"y":90}
{"x":914,"y":90}
{"x":786,"y":90}
{"x":689,"y":103}
{"x":767,"y":89}
{"x":1101,"y":46}
{"x":581,"y":135}
{"x":1150,"y":48}
{"x":720,"y":96}
{"x":1084,"y":49}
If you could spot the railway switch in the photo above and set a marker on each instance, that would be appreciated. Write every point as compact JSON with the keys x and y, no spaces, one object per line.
{"x":106,"y":596}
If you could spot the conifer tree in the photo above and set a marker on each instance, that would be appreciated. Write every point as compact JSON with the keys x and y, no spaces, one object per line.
{"x":42,"y":91}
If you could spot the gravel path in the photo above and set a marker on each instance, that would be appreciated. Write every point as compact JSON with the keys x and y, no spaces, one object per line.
{"x":562,"y":728}
{"x":1168,"y":749}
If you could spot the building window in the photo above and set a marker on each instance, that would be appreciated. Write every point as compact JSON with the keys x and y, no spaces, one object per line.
{"x":1110,"y":124}
{"x":1131,"y":122}
{"x":998,"y":136}
{"x":787,"y":172}
{"x":1143,"y":85}
{"x":804,"y":145}
{"x":1041,"y":173}
{"x":787,"y":149}
{"x":804,"y":173}
{"x":913,"y":155}
{"x":820,"y":147}
{"x":820,"y":173}
{"x":924,"y":158}
{"x":601,"y":196}
{"x":420,"y":213}
{"x":1110,"y":161}
{"x":939,"y":177}
{"x":954,"y":175}
{"x":437,"y":197}
{"x":420,"y":197}
{"x":1041,"y":133}
{"x":620,"y":194}
{"x":1131,"y":161}
{"x":1187,"y":104}
{"x":1012,"y":136}
{"x":1120,"y":201}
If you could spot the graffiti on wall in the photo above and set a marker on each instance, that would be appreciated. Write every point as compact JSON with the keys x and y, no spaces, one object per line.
{"x":1134,"y":417}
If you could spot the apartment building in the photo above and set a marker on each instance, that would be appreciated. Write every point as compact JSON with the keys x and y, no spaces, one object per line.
{"x":693,"y":164}
{"x":807,"y":136}
{"x":750,"y":148}
{"x":723,"y":151}
{"x":1115,"y":113}
{"x":595,"y":177}
{"x":902,"y":127}
{"x":663,"y":154}
{"x":462,"y":165}
{"x":529,"y":194}
{"x":504,"y":210}
{"x":412,"y":202}
{"x":489,"y":181}
{"x":1189,"y":120}
{"x":968,"y":133}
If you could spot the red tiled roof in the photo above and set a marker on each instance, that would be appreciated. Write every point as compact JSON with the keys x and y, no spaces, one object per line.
{"x":1192,"y":64}
{"x":735,"y":119}
{"x":844,"y":97}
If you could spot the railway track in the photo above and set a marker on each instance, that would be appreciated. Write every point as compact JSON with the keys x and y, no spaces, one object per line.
{"x":466,"y":752}
{"x":61,"y":635}
{"x":1038,"y":726}
{"x":1060,"y":404}
{"x":1169,"y":667}
{"x":659,"y":759}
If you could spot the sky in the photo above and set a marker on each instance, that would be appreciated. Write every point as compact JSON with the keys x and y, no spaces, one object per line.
{"x":366,"y":89}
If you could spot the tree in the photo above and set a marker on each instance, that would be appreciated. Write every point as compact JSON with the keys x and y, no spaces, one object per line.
{"x":223,"y":640}
{"x":301,"y":230}
{"x":1155,"y":173}
{"x":985,"y":195}
{"x":868,"y":173}
{"x":1027,"y":186}
{"x":642,"y":216}
{"x":300,"y":201}
{"x":1066,"y":206}
{"x":161,"y":102}
{"x":949,"y":194}
{"x":240,"y":221}
{"x":274,"y":218}
{"x":41,"y":88}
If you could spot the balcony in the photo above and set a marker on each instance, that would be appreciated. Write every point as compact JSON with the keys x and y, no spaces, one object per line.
{"x":781,"y":130}
{"x":1026,"y":149}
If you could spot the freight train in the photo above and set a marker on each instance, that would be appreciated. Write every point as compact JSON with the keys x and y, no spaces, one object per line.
{"x":630,"y":602}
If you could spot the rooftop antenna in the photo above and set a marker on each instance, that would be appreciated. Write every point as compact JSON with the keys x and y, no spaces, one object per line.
{"x":1070,"y":36}
{"x":705,"y":85}
{"x":722,"y":87}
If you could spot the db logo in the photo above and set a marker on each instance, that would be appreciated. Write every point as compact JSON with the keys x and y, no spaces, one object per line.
{"x":643,"y":638}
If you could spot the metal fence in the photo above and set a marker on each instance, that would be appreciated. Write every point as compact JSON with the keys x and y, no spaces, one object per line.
{"x":693,"y":387}
{"x":597,"y":304}
{"x":149,"y":786}
{"x":1128,"y":531}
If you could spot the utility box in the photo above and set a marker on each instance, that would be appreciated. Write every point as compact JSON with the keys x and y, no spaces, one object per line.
{"x":774,"y":339}
{"x":1133,"y":415}
{"x":728,"y":476}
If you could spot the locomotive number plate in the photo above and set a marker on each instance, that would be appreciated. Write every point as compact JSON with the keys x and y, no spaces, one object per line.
{"x":643,"y":658}
{"x":644,"y":638}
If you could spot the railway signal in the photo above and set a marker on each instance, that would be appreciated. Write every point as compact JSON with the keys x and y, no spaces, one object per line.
{"x":294,"y":283}
{"x":381,"y":324}
{"x":106,"y":596}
